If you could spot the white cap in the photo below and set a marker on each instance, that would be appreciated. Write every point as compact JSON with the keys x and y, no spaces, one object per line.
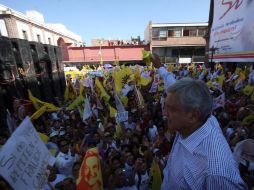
{"x":54,"y":133}
{"x":54,"y":116}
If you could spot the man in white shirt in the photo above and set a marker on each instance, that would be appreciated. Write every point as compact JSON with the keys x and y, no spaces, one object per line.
{"x":65,"y":159}
{"x":200,"y":157}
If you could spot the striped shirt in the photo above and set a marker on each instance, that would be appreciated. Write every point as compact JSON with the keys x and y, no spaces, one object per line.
{"x":203,"y":160}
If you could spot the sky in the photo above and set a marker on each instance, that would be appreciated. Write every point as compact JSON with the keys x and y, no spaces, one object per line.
{"x":113,"y":19}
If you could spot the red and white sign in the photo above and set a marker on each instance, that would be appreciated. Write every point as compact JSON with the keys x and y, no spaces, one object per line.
{"x":233,"y":30}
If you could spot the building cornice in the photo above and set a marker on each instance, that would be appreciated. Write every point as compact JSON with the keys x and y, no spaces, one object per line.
{"x":20,"y":16}
{"x":155,"y":25}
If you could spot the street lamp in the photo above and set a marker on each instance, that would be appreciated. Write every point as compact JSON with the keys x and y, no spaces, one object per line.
{"x":100,"y":52}
{"x":212,"y":50}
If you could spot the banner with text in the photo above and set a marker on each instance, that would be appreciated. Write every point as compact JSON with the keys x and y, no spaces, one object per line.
{"x":24,"y":158}
{"x":231,"y":37}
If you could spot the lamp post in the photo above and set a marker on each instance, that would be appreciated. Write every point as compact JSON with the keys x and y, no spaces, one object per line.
{"x":100,"y":53}
{"x":212,"y":49}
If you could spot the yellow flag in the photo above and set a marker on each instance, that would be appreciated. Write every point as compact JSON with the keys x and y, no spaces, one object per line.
{"x":119,"y":131}
{"x":170,"y":68}
{"x":147,"y":57}
{"x":39,"y":112}
{"x":242,"y":76}
{"x":155,"y":178}
{"x":112,"y":111}
{"x":141,"y":98}
{"x":66,"y":94}
{"x":238,"y":70}
{"x":124,"y":100}
{"x":103,"y":93}
{"x":160,"y":88}
{"x":209,"y":84}
{"x":90,"y":176}
{"x":78,"y":101}
{"x":70,"y":92}
{"x":81,"y":87}
{"x":248,"y":90}
{"x":248,"y":120}
{"x":122,"y":77}
{"x":51,"y":107}
{"x":141,"y":80}
{"x":53,"y":151}
{"x":41,"y":106}
{"x":252,"y":97}
{"x":220,"y":80}
{"x":35,"y":101}
{"x":43,"y":137}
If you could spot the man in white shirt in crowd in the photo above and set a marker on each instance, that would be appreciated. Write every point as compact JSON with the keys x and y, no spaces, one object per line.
{"x":200,"y":157}
{"x":65,"y":158}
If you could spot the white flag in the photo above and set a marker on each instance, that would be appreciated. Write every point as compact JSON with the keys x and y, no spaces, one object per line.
{"x":10,"y":122}
{"x":119,"y":105}
{"x":239,"y":85}
{"x":251,"y":77}
{"x":155,"y":84}
{"x":217,"y":86}
{"x":87,"y":111}
{"x":219,"y":101}
{"x":126,"y":89}
{"x":98,"y":103}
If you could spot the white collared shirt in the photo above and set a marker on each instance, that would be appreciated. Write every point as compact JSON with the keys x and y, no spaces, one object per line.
{"x":64,"y":163}
{"x":202,"y":160}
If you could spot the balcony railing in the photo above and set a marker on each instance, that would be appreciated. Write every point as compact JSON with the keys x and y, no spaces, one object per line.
{"x":197,"y":59}
{"x":194,"y":59}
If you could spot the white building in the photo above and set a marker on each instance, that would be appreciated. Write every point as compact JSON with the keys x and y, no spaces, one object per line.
{"x":31,"y":26}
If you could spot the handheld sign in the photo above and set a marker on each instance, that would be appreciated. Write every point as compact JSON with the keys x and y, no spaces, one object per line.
{"x":24,"y":158}
{"x":121,"y":116}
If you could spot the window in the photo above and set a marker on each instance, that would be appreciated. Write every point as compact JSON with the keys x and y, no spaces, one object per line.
{"x":24,"y":35}
{"x":155,"y":32}
{"x":201,"y":32}
{"x":176,"y":33}
{"x":193,"y":32}
{"x":49,"y":41}
{"x":171,"y":33}
{"x":186,"y":32}
{"x":159,"y":33}
{"x":38,"y":38}
{"x":163,"y":34}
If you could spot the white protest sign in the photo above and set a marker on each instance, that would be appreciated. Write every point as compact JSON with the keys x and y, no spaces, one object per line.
{"x":121,"y":116}
{"x":24,"y":158}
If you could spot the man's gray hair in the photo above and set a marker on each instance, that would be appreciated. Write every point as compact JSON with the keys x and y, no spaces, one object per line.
{"x":193,"y":94}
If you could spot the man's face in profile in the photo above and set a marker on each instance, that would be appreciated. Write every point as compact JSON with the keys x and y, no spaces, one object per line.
{"x":91,"y":171}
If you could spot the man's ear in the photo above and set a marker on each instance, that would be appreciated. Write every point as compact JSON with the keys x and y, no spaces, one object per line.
{"x":194,"y":116}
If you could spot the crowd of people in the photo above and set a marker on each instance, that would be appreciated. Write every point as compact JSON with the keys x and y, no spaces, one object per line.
{"x":135,"y":154}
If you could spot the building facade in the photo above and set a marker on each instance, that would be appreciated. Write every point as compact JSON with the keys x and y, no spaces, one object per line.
{"x":31,"y":27}
{"x":94,"y":55}
{"x":177,"y":42}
